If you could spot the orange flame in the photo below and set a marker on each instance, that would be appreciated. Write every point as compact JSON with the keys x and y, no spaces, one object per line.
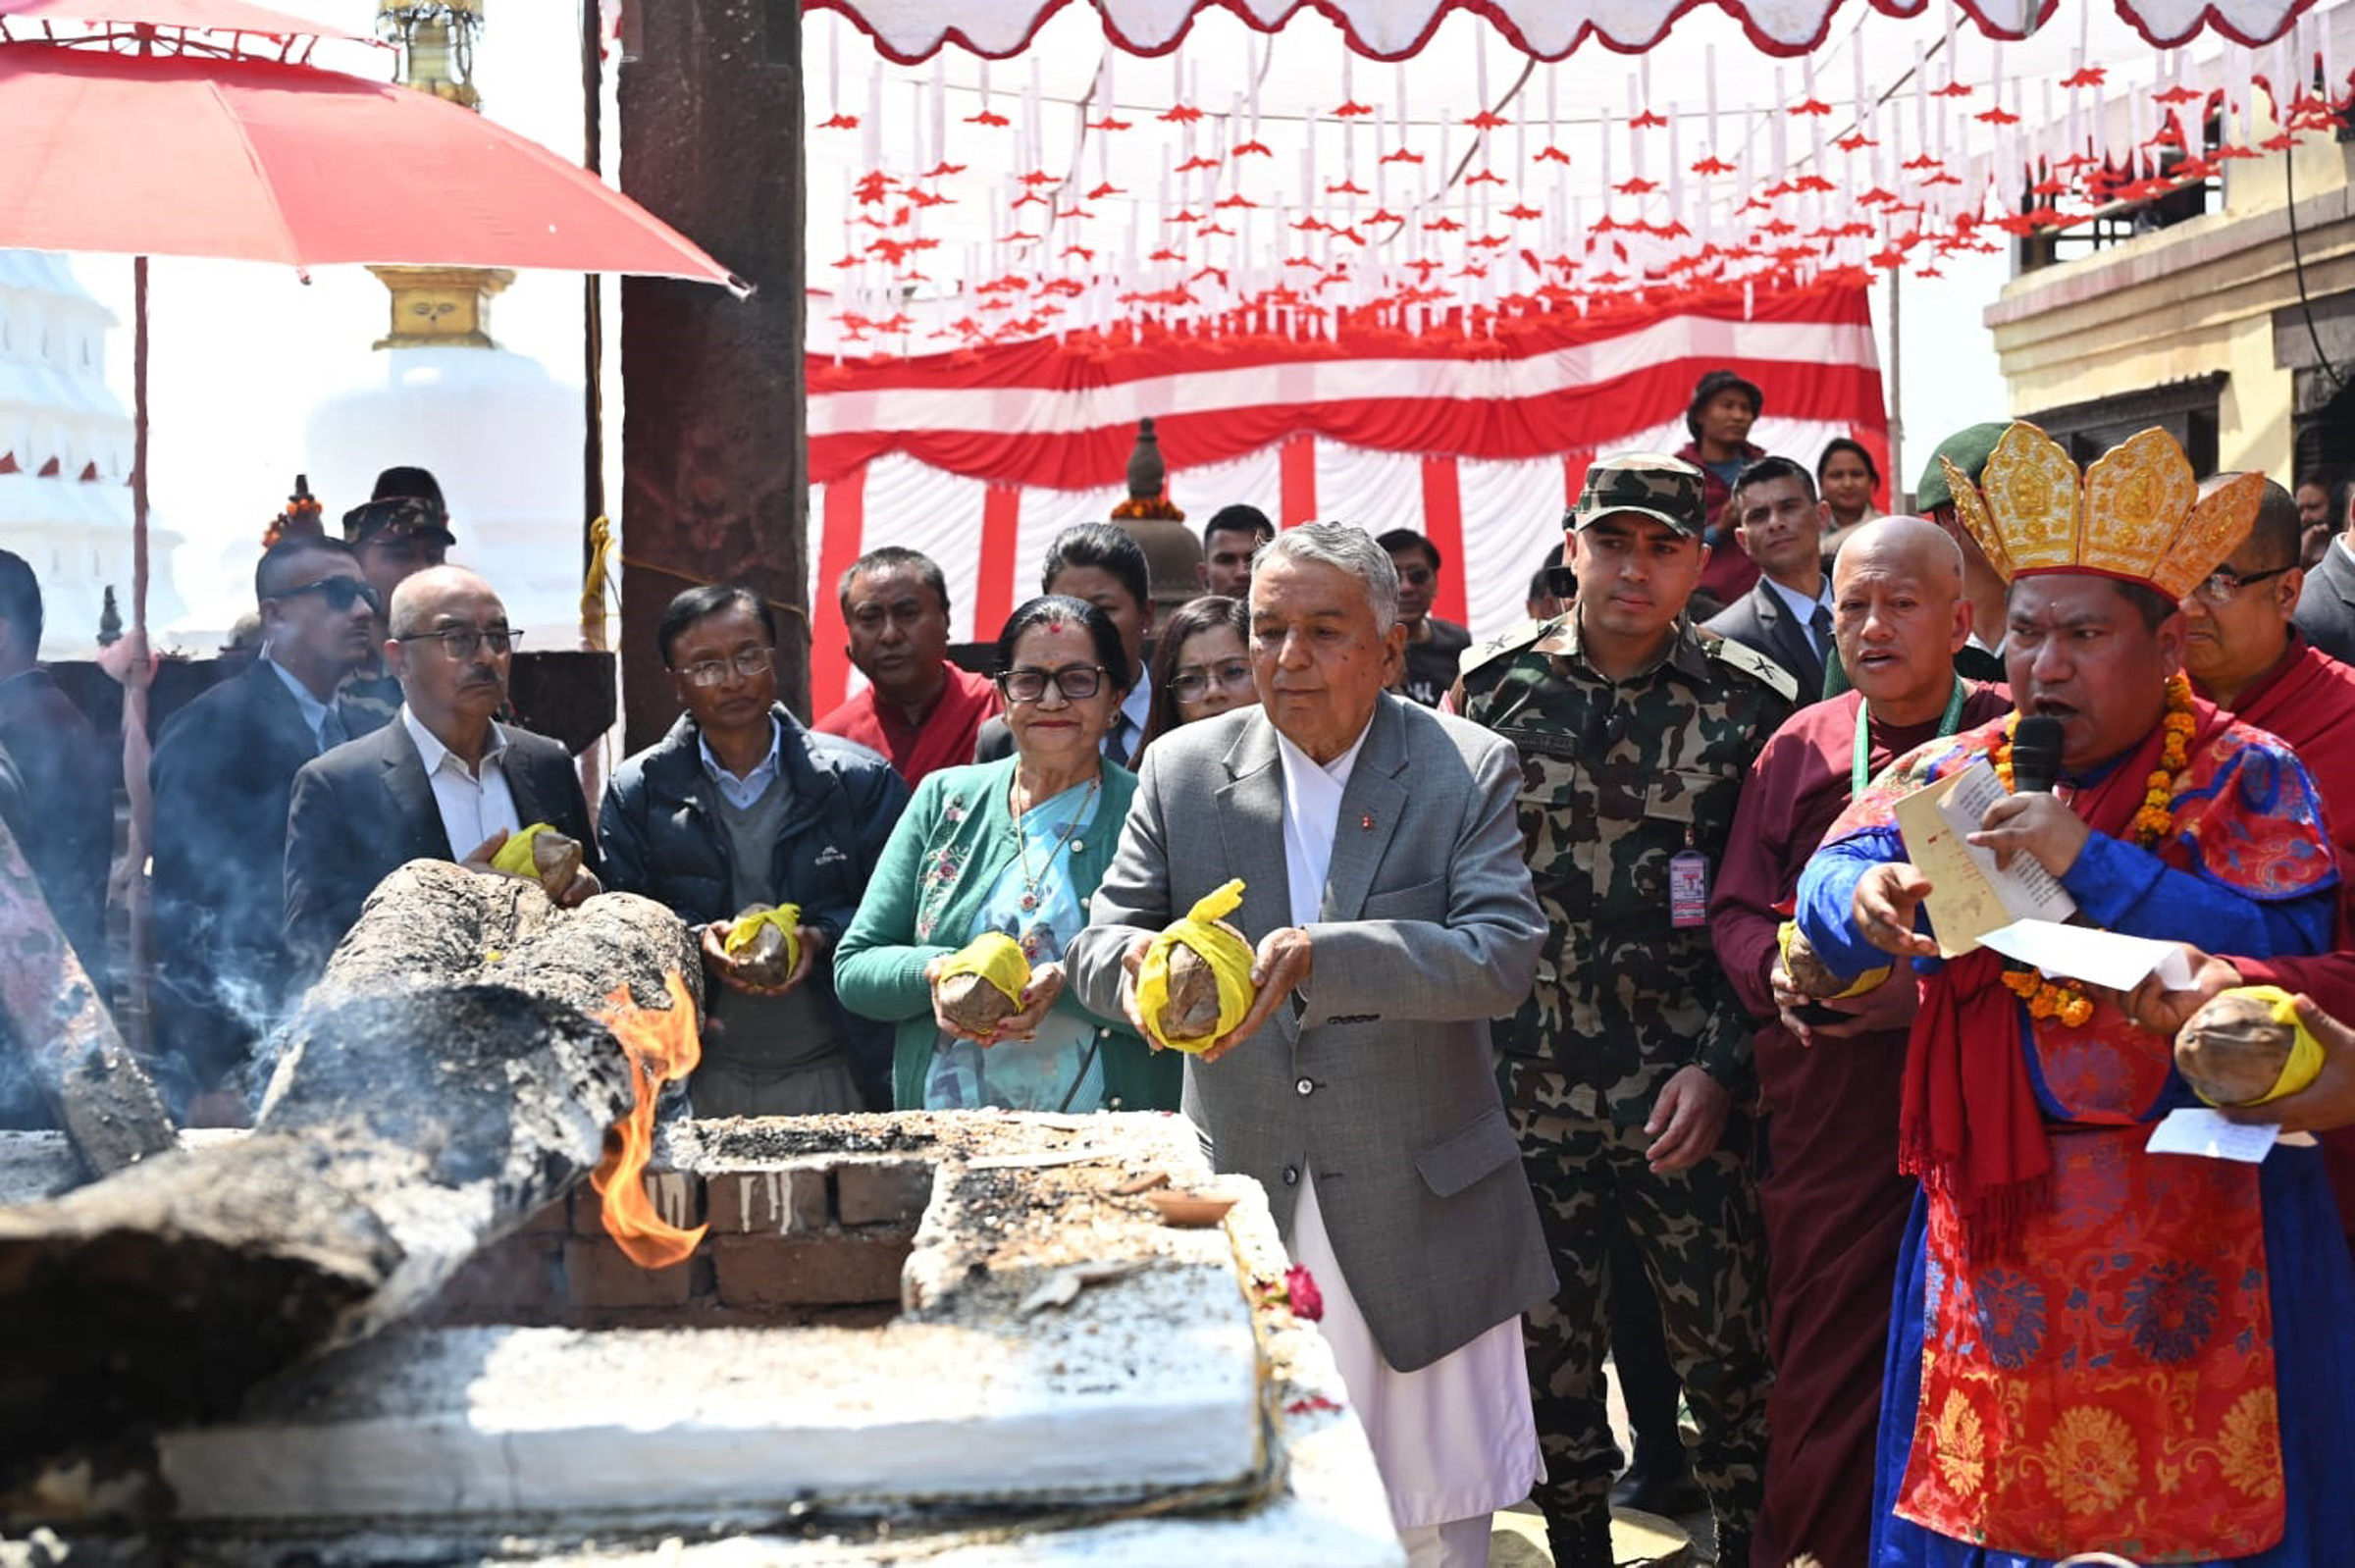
{"x":662,"y":1046}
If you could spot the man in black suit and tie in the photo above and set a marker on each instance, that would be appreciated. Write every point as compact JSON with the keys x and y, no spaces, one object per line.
{"x":221,"y":776}
{"x":2325,"y":610}
{"x":1787,"y":614}
{"x":442,"y":780}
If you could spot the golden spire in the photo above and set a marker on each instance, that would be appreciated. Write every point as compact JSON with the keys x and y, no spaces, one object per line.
{"x":437,"y":307}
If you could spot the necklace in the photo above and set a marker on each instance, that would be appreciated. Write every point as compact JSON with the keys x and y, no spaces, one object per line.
{"x":1860,"y":770}
{"x":2152,"y":820}
{"x":1022,"y":843}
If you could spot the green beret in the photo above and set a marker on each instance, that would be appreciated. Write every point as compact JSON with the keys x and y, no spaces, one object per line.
{"x":1968,"y":449}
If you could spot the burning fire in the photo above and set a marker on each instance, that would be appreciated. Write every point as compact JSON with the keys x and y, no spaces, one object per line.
{"x":662,"y":1046}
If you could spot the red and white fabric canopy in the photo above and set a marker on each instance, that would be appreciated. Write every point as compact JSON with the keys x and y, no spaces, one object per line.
{"x":1249,"y":172}
{"x":913,"y":30}
{"x":980,"y":458}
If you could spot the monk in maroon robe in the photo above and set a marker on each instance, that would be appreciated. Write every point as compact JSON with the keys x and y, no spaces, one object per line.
{"x":2244,"y":654}
{"x":1834,"y":1204}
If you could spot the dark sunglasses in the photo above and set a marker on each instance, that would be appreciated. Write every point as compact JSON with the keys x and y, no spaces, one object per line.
{"x":341,"y":593}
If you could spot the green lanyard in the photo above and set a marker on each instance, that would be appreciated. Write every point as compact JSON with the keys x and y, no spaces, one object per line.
{"x":1860,"y":770}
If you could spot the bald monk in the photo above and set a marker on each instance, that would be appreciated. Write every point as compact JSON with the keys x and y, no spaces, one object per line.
{"x":1834,"y":1205}
{"x":2243,"y":653}
{"x":443,"y":781}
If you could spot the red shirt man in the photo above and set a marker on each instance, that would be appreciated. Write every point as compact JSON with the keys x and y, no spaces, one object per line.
{"x":918,"y":710}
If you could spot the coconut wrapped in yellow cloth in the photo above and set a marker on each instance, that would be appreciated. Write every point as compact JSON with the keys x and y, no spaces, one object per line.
{"x":1195,"y":985}
{"x":540,"y":854}
{"x":982,"y":985}
{"x":2246,"y":1046}
{"x":1810,"y":977}
{"x":765,"y":943}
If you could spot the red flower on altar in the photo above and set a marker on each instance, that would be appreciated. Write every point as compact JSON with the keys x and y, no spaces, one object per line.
{"x":1301,"y":1293}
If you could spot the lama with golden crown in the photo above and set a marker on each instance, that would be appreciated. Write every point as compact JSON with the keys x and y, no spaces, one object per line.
{"x":2048,"y":1344}
{"x":2138,"y":516}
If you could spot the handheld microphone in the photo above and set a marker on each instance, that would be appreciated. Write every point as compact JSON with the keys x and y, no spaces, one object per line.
{"x":2035,"y":754}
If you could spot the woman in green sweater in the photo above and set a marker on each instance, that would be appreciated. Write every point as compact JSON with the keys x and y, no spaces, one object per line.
{"x":1015,"y":846}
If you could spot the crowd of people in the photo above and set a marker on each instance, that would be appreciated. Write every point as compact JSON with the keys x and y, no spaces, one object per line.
{"x":1529,"y":1073}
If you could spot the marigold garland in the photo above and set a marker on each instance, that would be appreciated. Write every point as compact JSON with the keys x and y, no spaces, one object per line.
{"x":2152,"y":820}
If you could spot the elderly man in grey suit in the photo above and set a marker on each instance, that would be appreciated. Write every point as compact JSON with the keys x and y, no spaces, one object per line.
{"x":1392,"y":914}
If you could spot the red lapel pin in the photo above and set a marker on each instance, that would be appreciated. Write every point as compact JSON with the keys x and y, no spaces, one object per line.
{"x":1366,"y":821}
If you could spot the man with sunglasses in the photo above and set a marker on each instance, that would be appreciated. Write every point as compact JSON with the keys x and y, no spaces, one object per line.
{"x":2243,"y":651}
{"x":221,"y":776}
{"x":443,"y":781}
{"x":1623,"y":1069}
{"x":741,"y":804}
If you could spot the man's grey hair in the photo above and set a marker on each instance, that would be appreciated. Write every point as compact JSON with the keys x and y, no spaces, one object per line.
{"x":1348,"y":547}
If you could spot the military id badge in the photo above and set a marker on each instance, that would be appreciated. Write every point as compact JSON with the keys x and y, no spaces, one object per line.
{"x":1688,"y":889}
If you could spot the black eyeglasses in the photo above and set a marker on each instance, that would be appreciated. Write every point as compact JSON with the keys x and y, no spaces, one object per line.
{"x":711,"y":671}
{"x":2218,"y":586}
{"x":1077,"y":682}
{"x":1194,"y":683}
{"x":460,"y":641}
{"x":341,"y":593}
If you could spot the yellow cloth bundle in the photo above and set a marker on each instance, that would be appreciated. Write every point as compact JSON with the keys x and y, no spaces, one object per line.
{"x":996,"y":958}
{"x":1220,"y":946}
{"x":745,"y":929}
{"x":1807,"y":971}
{"x":514,"y":857}
{"x":2241,"y":1029}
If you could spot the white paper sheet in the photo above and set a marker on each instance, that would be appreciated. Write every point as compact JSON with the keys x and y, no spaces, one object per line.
{"x":2098,"y":958}
{"x":2198,"y":1131}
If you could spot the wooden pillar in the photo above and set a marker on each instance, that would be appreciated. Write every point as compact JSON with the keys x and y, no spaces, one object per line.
{"x":713,"y":460}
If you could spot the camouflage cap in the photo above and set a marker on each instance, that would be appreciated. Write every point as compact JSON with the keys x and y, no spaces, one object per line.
{"x":1968,"y":451}
{"x":1650,"y":483}
{"x":402,"y":516}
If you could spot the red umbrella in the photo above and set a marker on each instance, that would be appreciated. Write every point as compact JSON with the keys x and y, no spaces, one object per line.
{"x":186,"y":148}
{"x":258,"y":160}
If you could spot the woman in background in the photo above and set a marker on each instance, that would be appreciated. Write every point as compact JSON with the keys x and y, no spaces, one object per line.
{"x":1202,"y":665}
{"x":1845,"y":478}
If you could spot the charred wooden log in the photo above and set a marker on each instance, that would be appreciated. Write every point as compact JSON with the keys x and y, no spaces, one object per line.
{"x":440,"y":1086}
{"x":98,"y":1091}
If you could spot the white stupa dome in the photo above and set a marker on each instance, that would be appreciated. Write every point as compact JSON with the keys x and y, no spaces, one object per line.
{"x":64,"y":456}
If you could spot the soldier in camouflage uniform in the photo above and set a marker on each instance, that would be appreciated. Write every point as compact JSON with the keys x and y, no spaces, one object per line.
{"x":1622,"y":1072}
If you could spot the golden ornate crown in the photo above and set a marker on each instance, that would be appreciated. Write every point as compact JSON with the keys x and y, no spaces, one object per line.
{"x":2138,"y":515}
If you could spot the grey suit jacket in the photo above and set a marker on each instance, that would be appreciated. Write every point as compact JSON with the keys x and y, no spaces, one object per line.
{"x":2326,"y":603}
{"x":1760,"y":621}
{"x":365,"y":807}
{"x":1380,"y":1080}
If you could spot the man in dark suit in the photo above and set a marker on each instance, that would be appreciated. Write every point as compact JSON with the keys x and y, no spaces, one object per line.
{"x":441,"y":781}
{"x":68,"y":796}
{"x":223,"y":768}
{"x":1787,"y":614}
{"x":2325,"y":610}
{"x":1384,"y":885}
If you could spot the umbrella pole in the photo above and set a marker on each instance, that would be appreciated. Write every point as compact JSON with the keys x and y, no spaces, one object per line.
{"x":136,"y":672}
